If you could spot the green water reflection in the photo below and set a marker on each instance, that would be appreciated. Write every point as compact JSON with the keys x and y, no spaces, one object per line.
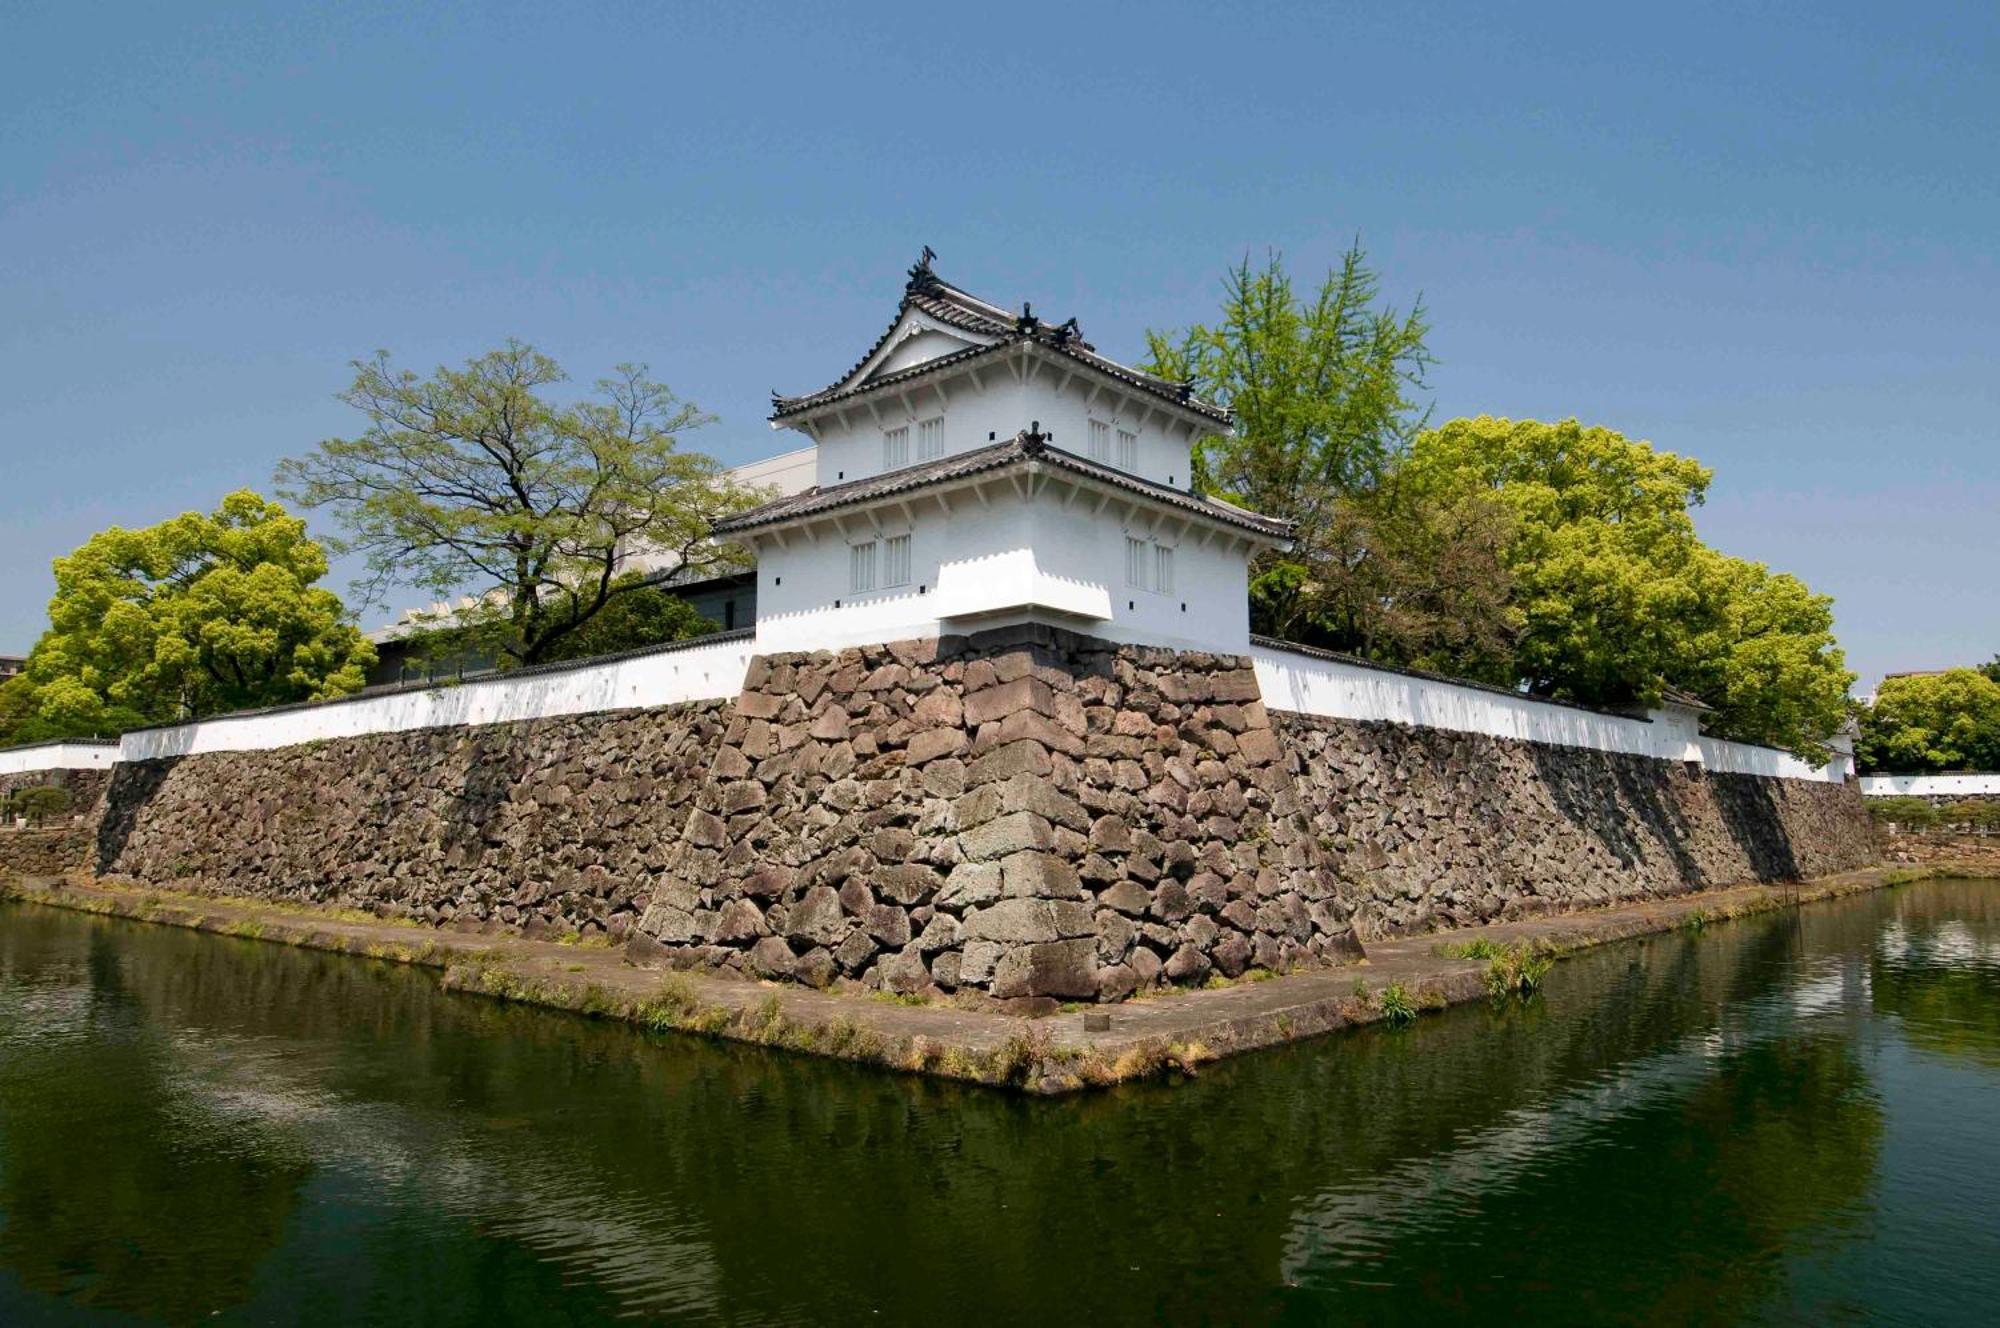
{"x":1791,"y":1119}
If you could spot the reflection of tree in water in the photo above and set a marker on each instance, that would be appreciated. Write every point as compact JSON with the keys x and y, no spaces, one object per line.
{"x":1938,"y":970}
{"x":119,"y":1189}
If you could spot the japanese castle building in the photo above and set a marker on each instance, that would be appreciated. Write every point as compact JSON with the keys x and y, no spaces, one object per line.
{"x":978,"y":468}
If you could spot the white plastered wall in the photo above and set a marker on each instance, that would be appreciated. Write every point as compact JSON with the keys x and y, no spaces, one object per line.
{"x":1046,"y":549}
{"x":1929,"y":786}
{"x":1340,"y":689}
{"x":58,"y":756}
{"x":700,"y":673}
{"x":996,"y":398}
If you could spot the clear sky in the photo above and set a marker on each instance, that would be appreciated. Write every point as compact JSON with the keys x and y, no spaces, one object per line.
{"x":1766,"y":240}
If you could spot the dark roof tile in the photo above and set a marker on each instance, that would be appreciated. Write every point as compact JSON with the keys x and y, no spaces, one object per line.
{"x":1021,"y":449}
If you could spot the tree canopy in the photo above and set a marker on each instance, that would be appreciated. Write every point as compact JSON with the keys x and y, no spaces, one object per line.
{"x":202,"y":613}
{"x":1561,"y":557}
{"x":474,"y":481}
{"x":1932,"y":722}
{"x":1321,"y":388}
{"x":1617,"y":596}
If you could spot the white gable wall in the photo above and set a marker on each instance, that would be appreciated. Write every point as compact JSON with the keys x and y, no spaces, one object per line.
{"x":995,"y":403}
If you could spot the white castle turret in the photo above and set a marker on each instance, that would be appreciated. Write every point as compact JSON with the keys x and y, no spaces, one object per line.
{"x":978,"y":468}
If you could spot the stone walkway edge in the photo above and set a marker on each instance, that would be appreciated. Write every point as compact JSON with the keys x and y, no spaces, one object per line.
{"x":1163,"y":1036}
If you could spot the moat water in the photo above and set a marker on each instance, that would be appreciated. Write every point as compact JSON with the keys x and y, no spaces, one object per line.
{"x":1793,"y":1119}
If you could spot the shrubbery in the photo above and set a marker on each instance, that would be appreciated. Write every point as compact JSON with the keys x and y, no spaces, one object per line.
{"x":37,"y":804}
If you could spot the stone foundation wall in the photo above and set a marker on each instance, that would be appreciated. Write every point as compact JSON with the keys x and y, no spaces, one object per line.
{"x":1024,"y":814}
{"x":1442,"y":829}
{"x":53,"y":851}
{"x":554,"y":825}
{"x":1027,"y":813}
{"x":85,"y":786}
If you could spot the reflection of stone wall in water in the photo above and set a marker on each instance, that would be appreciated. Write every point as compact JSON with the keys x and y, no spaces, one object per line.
{"x":1026,"y":812}
{"x":1441,"y":829}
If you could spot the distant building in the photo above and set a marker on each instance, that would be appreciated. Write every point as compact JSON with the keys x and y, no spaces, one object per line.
{"x":12,"y":666}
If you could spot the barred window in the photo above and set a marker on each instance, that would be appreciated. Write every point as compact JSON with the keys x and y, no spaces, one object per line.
{"x":861,"y":566}
{"x":896,"y":560}
{"x":930,"y":439}
{"x":1100,"y":441}
{"x":1135,"y":562}
{"x":1163,"y":569}
{"x":1128,"y":450}
{"x":896,"y":447}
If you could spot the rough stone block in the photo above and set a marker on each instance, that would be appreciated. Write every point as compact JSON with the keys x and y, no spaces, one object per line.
{"x":1030,"y":695}
{"x":818,"y":919}
{"x":771,"y":958}
{"x":1035,"y":875}
{"x":971,"y":885}
{"x":1060,"y":969}
{"x":1012,"y":922}
{"x":1006,"y":834}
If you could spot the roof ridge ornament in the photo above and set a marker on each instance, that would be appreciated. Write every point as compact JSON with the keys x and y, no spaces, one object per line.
{"x":1027,"y":322}
{"x":1032,"y":439}
{"x":924,"y":281}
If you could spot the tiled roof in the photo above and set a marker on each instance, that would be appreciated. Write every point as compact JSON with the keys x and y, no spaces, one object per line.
{"x":1022,"y":449}
{"x":930,"y":295}
{"x":1674,"y":696}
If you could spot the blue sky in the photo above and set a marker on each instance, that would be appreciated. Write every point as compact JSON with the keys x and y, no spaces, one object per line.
{"x":1764,"y":239}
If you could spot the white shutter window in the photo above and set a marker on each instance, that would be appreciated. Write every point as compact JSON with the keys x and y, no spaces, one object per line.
{"x":861,"y":567}
{"x":1100,"y":441}
{"x":896,"y":560}
{"x":1128,"y":450}
{"x":1163,"y":569}
{"x":1135,"y":562}
{"x":930,"y":439}
{"x":896,"y":447}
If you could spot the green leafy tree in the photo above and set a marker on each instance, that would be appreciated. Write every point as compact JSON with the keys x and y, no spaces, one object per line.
{"x":1407,"y":578}
{"x":474,"y":481}
{"x":1765,"y":657}
{"x":201,"y":613}
{"x":1616,"y":596}
{"x":1991,"y":668}
{"x":638,"y":615}
{"x":1322,"y":388}
{"x":1603,"y":550}
{"x":1928,"y":722}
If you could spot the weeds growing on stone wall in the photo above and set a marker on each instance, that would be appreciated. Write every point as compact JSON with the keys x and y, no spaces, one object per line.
{"x":1396,"y":1005}
{"x":1518,"y":970}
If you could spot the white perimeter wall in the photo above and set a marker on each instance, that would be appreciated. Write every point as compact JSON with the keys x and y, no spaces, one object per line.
{"x":1340,"y":690}
{"x":1929,"y":786}
{"x":58,"y":756}
{"x":1304,"y":683}
{"x":697,"y":673}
